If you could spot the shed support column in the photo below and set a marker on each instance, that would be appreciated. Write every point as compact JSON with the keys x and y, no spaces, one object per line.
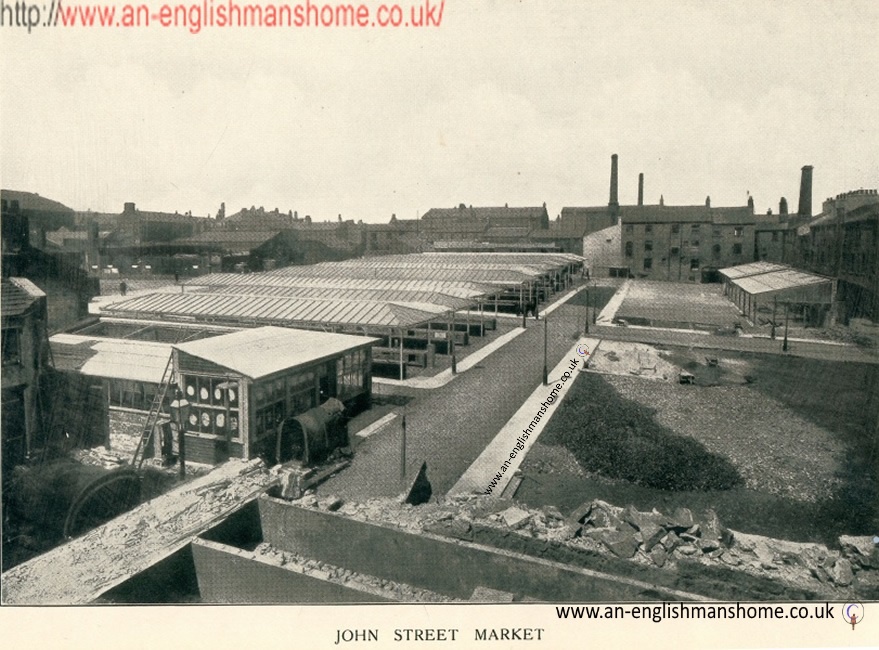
{"x":481,"y":320}
{"x":452,"y":343}
{"x":401,"y":354}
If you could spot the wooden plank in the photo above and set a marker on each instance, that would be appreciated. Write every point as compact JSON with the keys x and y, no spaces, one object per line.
{"x":81,"y":570}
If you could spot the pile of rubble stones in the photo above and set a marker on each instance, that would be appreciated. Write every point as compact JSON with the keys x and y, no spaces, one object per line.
{"x":649,"y":538}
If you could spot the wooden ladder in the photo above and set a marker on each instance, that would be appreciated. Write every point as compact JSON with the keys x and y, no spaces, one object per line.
{"x":146,"y":434}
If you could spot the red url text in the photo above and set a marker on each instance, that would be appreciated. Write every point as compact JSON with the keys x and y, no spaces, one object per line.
{"x":196,"y":16}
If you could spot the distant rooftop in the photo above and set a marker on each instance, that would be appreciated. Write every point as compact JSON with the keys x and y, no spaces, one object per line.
{"x":17,"y":295}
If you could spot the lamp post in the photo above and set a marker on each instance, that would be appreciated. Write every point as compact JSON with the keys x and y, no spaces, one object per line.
{"x":180,"y":408}
{"x":586,"y":329}
{"x":545,"y":336}
{"x":784,"y":344}
{"x":403,"y":447}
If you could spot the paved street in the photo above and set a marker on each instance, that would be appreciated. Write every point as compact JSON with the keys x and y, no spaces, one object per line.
{"x":449,"y":427}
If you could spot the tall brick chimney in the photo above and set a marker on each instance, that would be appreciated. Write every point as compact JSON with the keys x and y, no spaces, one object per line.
{"x":805,"y":209}
{"x":614,"y":202}
{"x":641,"y":188}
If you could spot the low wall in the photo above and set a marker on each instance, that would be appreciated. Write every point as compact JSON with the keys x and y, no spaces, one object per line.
{"x":443,"y":565}
{"x":229,"y":575}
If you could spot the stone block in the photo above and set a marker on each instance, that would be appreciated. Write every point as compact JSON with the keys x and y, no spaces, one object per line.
{"x":621,"y":543}
{"x":861,"y":550}
{"x":681,"y":519}
{"x":515,"y":517}
{"x":580,"y":514}
{"x":651,"y":534}
{"x":841,"y":573}
{"x":659,"y":556}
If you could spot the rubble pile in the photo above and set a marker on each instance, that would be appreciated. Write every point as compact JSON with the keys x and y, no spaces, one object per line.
{"x":79,"y":571}
{"x":389,"y":589}
{"x":653,"y":540}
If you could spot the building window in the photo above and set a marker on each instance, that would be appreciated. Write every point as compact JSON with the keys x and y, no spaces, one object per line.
{"x":694,"y":264}
{"x":716,"y":232}
{"x":674,"y":251}
{"x":695,"y":243}
{"x":648,"y":246}
{"x":11,"y":346}
{"x":351,"y":374}
{"x":648,"y":263}
{"x":648,"y":227}
{"x":738,"y":231}
{"x":675,"y":228}
{"x":215,"y":403}
{"x":629,"y":227}
{"x":736,"y":249}
{"x":694,"y":227}
{"x":715,"y":250}
{"x":629,"y":247}
{"x":775,"y":236}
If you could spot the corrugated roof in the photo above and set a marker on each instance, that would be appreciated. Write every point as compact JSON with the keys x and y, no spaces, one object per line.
{"x":474,"y":274}
{"x":752,"y":268}
{"x":335,"y":293}
{"x":268,"y":309}
{"x":17,"y":295}
{"x":264,"y":351}
{"x":111,"y":358}
{"x":779,"y":281}
{"x":289,"y":279}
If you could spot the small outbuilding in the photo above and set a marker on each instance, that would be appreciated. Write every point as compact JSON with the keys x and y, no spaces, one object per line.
{"x":245,"y":387}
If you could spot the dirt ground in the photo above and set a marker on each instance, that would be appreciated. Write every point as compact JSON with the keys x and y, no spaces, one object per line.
{"x":792,"y":428}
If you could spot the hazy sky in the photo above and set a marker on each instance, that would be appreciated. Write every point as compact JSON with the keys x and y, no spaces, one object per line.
{"x":506,"y":102}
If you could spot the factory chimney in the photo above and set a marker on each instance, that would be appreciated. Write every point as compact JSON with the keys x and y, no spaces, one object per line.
{"x":641,"y":188}
{"x":782,"y":206}
{"x":614,"y":202}
{"x":805,"y":209}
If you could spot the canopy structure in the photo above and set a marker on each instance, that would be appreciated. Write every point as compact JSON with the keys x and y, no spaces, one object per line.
{"x":142,"y":361}
{"x":275,"y":310}
{"x":750,"y":286}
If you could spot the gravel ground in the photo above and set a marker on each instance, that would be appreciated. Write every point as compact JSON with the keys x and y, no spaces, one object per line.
{"x":773,"y":449}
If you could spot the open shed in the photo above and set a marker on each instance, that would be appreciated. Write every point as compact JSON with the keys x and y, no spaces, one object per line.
{"x":762,"y":284}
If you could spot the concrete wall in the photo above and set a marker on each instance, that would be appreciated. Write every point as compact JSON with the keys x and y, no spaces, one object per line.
{"x":229,"y":575}
{"x":442,"y":565}
{"x":603,"y":251}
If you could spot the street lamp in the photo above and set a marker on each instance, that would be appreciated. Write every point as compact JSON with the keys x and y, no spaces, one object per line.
{"x":180,"y":408}
{"x":545,"y":336}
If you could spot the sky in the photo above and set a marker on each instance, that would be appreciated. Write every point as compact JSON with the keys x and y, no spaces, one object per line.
{"x":506,"y":102}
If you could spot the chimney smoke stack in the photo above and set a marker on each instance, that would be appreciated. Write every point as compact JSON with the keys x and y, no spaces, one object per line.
{"x":614,"y":202}
{"x":782,"y":206}
{"x":641,"y":188}
{"x":805,"y":208}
